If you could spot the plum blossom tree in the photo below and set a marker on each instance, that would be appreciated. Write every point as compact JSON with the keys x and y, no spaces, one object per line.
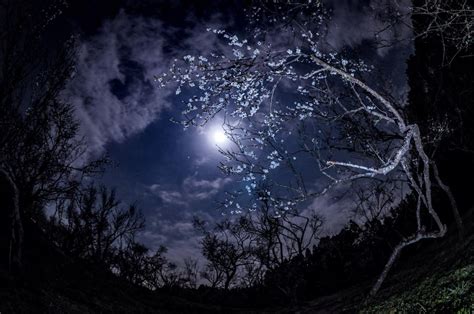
{"x":282,"y":237}
{"x":302,"y":119}
{"x":374,"y":200}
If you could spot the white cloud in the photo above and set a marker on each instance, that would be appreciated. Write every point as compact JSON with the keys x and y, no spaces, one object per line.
{"x":191,"y":183}
{"x":172,"y":197}
{"x":113,"y":89}
{"x":336,"y":208}
{"x":127,"y":52}
{"x":191,"y":190}
{"x":202,"y":161}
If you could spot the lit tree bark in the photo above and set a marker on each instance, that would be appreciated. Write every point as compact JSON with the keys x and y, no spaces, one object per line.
{"x":452,"y":200}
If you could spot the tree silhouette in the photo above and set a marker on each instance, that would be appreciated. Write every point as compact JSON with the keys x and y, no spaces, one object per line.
{"x":40,"y":152}
{"x":97,"y":226}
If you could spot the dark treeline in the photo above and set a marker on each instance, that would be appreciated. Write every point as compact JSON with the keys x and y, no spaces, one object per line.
{"x":356,"y":254}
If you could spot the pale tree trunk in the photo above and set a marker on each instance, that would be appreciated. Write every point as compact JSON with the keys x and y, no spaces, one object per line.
{"x":454,"y":207}
{"x":408,"y":149}
{"x":396,"y":252}
{"x":423,"y":189}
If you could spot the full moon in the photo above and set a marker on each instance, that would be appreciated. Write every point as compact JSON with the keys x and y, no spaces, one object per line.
{"x":218,"y":136}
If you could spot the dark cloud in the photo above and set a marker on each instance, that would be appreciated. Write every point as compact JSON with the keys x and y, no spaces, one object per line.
{"x":191,"y":190}
{"x":336,"y":212}
{"x":113,"y":89}
{"x":178,"y":235}
{"x":353,"y":22}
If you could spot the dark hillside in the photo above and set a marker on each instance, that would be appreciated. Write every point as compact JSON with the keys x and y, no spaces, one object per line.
{"x":432,"y":277}
{"x":52,"y":282}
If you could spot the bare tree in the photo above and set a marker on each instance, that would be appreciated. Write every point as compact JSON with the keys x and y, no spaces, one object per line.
{"x":191,"y":272}
{"x":40,"y":152}
{"x":375,"y":200}
{"x":228,"y":248}
{"x":253,"y":274}
{"x":283,"y":235}
{"x":134,"y":264}
{"x":213,"y":275}
{"x":165,"y":274}
{"x":451,"y":21}
{"x":97,"y":226}
{"x":240,"y":251}
{"x":302,"y":120}
{"x":282,"y":240}
{"x":11,"y":236}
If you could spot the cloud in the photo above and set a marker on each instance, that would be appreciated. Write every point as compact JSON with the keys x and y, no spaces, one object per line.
{"x":336,"y":208}
{"x":202,"y":161}
{"x":354,"y":22}
{"x":169,"y":196}
{"x":180,"y":239}
{"x":191,"y":190}
{"x":156,"y":239}
{"x":179,"y":236}
{"x":192,"y":184}
{"x":185,"y":248}
{"x":112,"y":91}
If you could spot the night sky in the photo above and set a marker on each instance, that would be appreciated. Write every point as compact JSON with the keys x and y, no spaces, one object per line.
{"x":170,"y":173}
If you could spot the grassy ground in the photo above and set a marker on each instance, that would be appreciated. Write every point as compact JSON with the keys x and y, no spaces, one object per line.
{"x":441,"y":284}
{"x":438,"y":277}
{"x":445,"y":292}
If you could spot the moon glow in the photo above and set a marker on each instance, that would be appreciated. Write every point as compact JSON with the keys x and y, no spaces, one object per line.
{"x":218,"y":136}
